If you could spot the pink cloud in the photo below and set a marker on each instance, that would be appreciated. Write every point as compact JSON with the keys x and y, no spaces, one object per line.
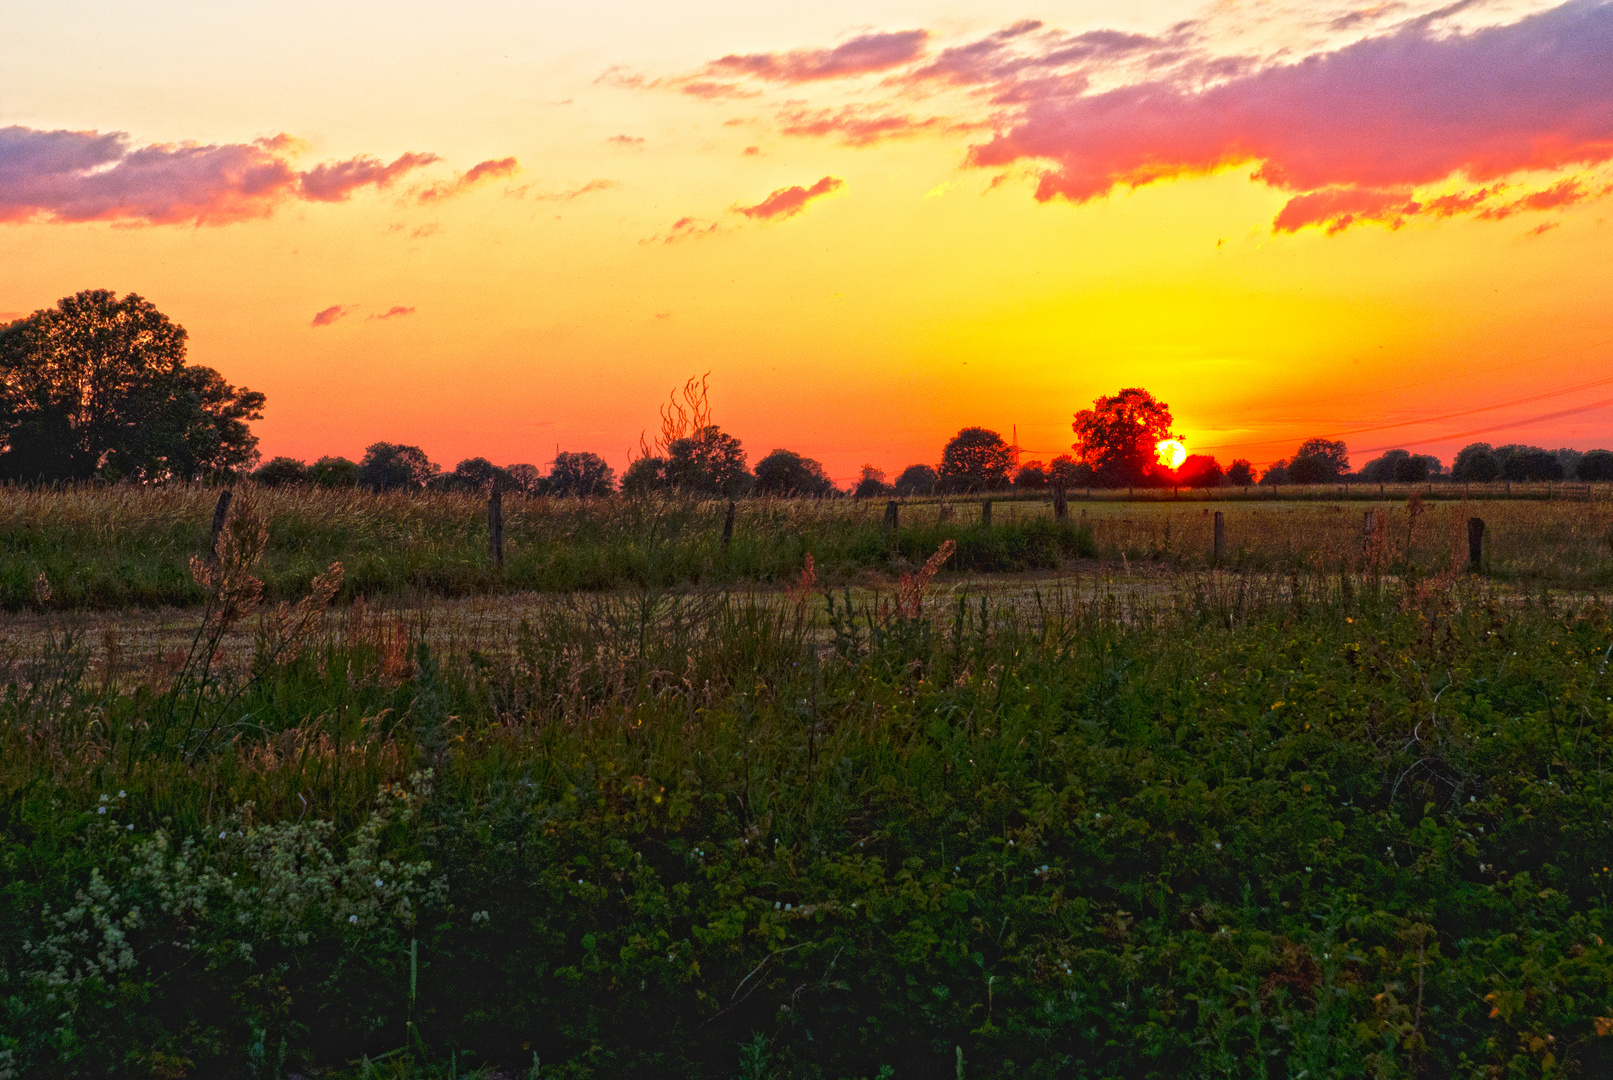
{"x":787,"y":202}
{"x":483,"y":170}
{"x":389,"y":313}
{"x":685,"y":228}
{"x":331,"y":314}
{"x":335,"y":181}
{"x":855,"y":126}
{"x":76,"y":176}
{"x":863,"y":55}
{"x":1565,"y":192}
{"x":626,"y":140}
{"x":1384,"y":114}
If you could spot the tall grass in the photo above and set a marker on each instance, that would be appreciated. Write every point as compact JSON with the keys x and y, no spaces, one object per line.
{"x":105,"y":548}
{"x":118,"y":547}
{"x":1316,"y":824}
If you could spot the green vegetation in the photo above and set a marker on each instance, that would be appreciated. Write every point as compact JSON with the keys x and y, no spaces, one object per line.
{"x":1327,"y":825}
{"x":116,"y":547}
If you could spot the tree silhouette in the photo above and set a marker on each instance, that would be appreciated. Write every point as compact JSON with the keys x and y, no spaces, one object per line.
{"x":1066,"y":472}
{"x":1476,"y":462}
{"x":916,"y":480}
{"x":395,"y":467}
{"x":784,"y":472}
{"x":1318,"y":461}
{"x":528,"y":479}
{"x":1031,"y":476}
{"x":871,"y":484}
{"x":1199,"y":471}
{"x":644,"y":475}
{"x":280,"y":471}
{"x":98,"y":386}
{"x":582,"y":474}
{"x":1596,"y":466}
{"x":474,"y":474}
{"x":975,"y":460}
{"x":334,"y":472}
{"x":1276,"y":473}
{"x":1240,"y":473}
{"x":709,"y":462}
{"x":1118,"y":435}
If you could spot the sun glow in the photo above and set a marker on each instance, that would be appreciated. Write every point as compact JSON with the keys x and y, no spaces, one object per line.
{"x":1171,"y":453}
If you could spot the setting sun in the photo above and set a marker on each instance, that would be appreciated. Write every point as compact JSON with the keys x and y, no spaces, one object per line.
{"x":1171,"y":453}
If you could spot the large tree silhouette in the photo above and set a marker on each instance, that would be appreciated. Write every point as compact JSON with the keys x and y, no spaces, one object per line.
{"x":975,"y":460}
{"x":99,"y":387}
{"x":1118,"y":435}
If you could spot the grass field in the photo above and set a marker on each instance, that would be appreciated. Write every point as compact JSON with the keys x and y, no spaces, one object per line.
{"x":115,"y":548}
{"x":1329,"y":812}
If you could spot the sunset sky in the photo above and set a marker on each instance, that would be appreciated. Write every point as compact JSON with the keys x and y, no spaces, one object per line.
{"x":501,"y":228}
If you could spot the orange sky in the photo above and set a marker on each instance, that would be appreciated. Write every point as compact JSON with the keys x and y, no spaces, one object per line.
{"x":873,"y":224}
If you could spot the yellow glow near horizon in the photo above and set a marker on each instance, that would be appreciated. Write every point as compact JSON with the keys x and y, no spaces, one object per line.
{"x":553,"y":308}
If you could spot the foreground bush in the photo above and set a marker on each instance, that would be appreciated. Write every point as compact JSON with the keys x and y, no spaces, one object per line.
{"x":1320,"y":831}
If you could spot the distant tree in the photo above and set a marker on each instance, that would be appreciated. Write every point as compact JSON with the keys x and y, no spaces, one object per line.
{"x":1318,"y":461}
{"x":916,"y":480}
{"x":871,"y":484}
{"x":280,"y":471}
{"x":644,"y":475}
{"x":582,"y":473}
{"x":528,"y":479}
{"x":395,"y":467}
{"x":975,"y":460}
{"x":98,"y":386}
{"x":1595,"y":467}
{"x":1031,"y":476}
{"x":709,"y":462}
{"x":334,"y":472}
{"x":475,"y":474}
{"x":1528,"y":463}
{"x":1118,"y":436}
{"x":1199,"y":471}
{"x":1569,"y":459}
{"x":786,"y":473}
{"x":1400,"y":467}
{"x":1240,"y":473}
{"x":1476,"y":463}
{"x":1064,"y":471}
{"x":1276,"y":473}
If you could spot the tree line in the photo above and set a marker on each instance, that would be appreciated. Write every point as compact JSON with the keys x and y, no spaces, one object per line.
{"x":97,"y":388}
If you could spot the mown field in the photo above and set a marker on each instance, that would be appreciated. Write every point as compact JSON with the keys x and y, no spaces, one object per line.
{"x":1322,"y":813}
{"x":113,"y":548}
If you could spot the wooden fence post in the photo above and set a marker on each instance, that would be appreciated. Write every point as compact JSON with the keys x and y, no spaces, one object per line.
{"x":985,"y":512}
{"x":1220,"y":538}
{"x":1061,"y":503}
{"x":495,"y":527}
{"x":1475,"y":544}
{"x":728,"y":526}
{"x":220,"y":512}
{"x":892,"y":516}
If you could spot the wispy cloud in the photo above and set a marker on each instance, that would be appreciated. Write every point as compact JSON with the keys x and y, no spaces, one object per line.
{"x":862,"y":55}
{"x":331,"y":314}
{"x":789,"y":201}
{"x":78,"y":176}
{"x":626,"y":140}
{"x":492,"y":169}
{"x":391,"y":313}
{"x":854,"y":125}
